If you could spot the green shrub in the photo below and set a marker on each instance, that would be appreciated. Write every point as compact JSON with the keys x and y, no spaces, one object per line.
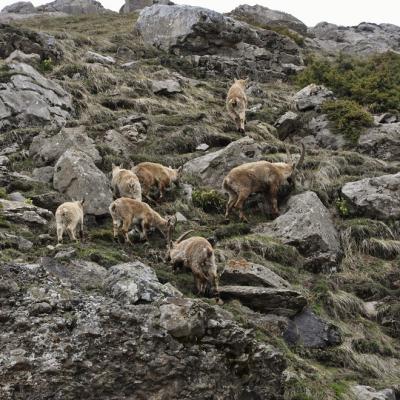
{"x":282,"y":30}
{"x":373,"y":82}
{"x":348,"y":118}
{"x":3,"y":193}
{"x":46,"y":65}
{"x":209,"y":200}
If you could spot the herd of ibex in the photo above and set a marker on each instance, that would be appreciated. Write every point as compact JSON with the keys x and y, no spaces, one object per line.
{"x":196,"y":253}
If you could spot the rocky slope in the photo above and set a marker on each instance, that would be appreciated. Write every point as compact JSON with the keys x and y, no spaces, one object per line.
{"x":309,"y":304}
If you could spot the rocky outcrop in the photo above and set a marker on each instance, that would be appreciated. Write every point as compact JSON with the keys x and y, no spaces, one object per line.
{"x":362,"y":392}
{"x":308,"y":226}
{"x":311,"y":97}
{"x":287,"y":124}
{"x":77,"y":177}
{"x":134,"y":5}
{"x":74,"y":7}
{"x":168,"y":86}
{"x":265,"y":17}
{"x":375,"y":197}
{"x":92,"y":57}
{"x":324,"y":136}
{"x":21,"y":7}
{"x":28,"y":98}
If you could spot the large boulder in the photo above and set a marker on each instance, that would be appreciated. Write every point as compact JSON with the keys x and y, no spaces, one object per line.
{"x":74,"y":7}
{"x":265,"y":17}
{"x":311,"y":97}
{"x":374,"y":197}
{"x":320,"y":127}
{"x":213,"y":167}
{"x":77,"y":177}
{"x":47,"y":149}
{"x":20,"y":7}
{"x":308,"y":226}
{"x":28,"y":98}
{"x":134,"y":5}
{"x":362,"y":392}
{"x":382,"y":141}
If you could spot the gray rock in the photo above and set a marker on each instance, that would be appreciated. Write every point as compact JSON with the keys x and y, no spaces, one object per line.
{"x":213,"y":167}
{"x":382,"y":141}
{"x":180,"y":217}
{"x":65,"y":254}
{"x":203,"y":147}
{"x":20,"y":7}
{"x":168,"y":86}
{"x":387,"y":118}
{"x":43,"y":174}
{"x":375,"y":197}
{"x":265,"y":17}
{"x":311,"y":97}
{"x":119,"y":143}
{"x":285,"y":302}
{"x":308,"y":330}
{"x":362,"y":392}
{"x":134,"y":282}
{"x":47,"y":149}
{"x":4,"y":161}
{"x":16,"y":196}
{"x":308,"y":226}
{"x":74,"y":7}
{"x":324,"y":136}
{"x":249,"y":274}
{"x":93,"y":57}
{"x":77,"y":177}
{"x":41,"y":308}
{"x":287,"y":124}
{"x":19,"y":56}
{"x":134,"y":5}
{"x":19,"y":242}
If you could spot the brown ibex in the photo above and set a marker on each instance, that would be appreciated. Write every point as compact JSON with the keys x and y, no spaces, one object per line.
{"x":259,"y":177}
{"x":125,"y":183}
{"x":68,"y":216}
{"x":236,"y":103}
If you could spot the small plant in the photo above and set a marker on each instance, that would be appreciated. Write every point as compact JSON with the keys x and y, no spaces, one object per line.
{"x":3,"y":193}
{"x":209,"y":200}
{"x":28,"y":201}
{"x":46,"y":65}
{"x":342,"y":207}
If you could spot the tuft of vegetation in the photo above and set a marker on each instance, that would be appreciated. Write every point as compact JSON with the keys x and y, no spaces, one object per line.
{"x":373,"y":82}
{"x":209,"y":200}
{"x":46,"y":65}
{"x":348,"y":118}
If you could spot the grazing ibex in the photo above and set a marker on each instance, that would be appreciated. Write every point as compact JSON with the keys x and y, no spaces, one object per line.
{"x":236,"y":103}
{"x":126,"y":212}
{"x":153,"y":174}
{"x":256,"y":177}
{"x":68,"y":216}
{"x":196,"y":254}
{"x":125,"y":183}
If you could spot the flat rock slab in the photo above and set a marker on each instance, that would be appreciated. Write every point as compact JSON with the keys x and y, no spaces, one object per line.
{"x":312,"y":96}
{"x":284,"y":302}
{"x":362,"y":392}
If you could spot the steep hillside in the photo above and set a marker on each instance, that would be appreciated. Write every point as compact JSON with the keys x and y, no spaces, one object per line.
{"x":309,"y":301}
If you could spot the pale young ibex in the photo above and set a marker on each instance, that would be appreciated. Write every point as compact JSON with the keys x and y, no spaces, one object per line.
{"x":259,"y":177}
{"x":236,"y":103}
{"x":69,"y":216}
{"x":156,"y":175}
{"x":196,"y":254}
{"x":126,"y":212}
{"x":125,"y":183}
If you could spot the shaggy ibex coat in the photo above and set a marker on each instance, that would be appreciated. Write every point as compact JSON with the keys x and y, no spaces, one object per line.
{"x":196,"y":254}
{"x":236,"y":103}
{"x":125,"y":183}
{"x":69,"y":216}
{"x":256,"y":177}
{"x":156,"y":175}
{"x":126,"y":212}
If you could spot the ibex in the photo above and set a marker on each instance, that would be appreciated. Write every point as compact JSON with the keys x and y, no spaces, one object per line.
{"x":236,"y":103}
{"x":126,"y":212}
{"x":125,"y":183}
{"x":196,"y":254}
{"x":259,"y":177}
{"x":153,"y":174}
{"x":68,"y":216}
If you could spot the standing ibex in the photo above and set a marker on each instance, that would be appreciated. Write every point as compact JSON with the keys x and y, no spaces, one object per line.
{"x":196,"y":254}
{"x":236,"y":103}
{"x":256,"y":177}
{"x":125,"y":183}
{"x":126,"y":212}
{"x":68,"y":216}
{"x":153,"y":174}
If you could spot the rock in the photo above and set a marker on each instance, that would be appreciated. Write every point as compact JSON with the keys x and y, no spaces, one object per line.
{"x":368,"y":393}
{"x":46,"y":150}
{"x":202,"y":147}
{"x":65,"y":254}
{"x":375,"y":197}
{"x":168,"y":86}
{"x":308,"y":330}
{"x":248,"y":274}
{"x":18,"y":242}
{"x":213,"y":167}
{"x":324,"y":136}
{"x":180,"y":217}
{"x":389,"y":317}
{"x":16,"y":196}
{"x":41,"y":308}
{"x":20,"y":7}
{"x":133,"y":5}
{"x":119,"y":143}
{"x":77,"y":177}
{"x":19,"y":56}
{"x":29,"y":99}
{"x":285,"y":302}
{"x":134,"y":282}
{"x":74,"y":7}
{"x":265,"y":17}
{"x":287,"y":124}
{"x":382,"y":141}
{"x":311,"y":97}
{"x":308,"y":226}
{"x":43,"y":174}
{"x":387,"y":118}
{"x":93,"y":57}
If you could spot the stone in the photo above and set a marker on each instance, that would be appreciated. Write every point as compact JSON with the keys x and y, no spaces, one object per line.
{"x":389,"y":318}
{"x":325,"y":138}
{"x":119,"y":143}
{"x":134,"y":5}
{"x":20,"y":7}
{"x":168,"y":86}
{"x":73,"y":7}
{"x":374,"y":197}
{"x":65,"y":254}
{"x":307,"y":330}
{"x":77,"y":177}
{"x":43,"y":174}
{"x":19,"y":56}
{"x":16,"y":196}
{"x":47,"y":149}
{"x":285,"y":302}
{"x":362,"y":392}
{"x":311,"y":97}
{"x":287,"y":124}
{"x":19,"y":242}
{"x":41,"y":308}
{"x":242,"y":272}
{"x":4,"y":161}
{"x":202,"y":147}
{"x":180,"y":217}
{"x":133,"y":282}
{"x":387,"y":118}
{"x":308,"y":226}
{"x":265,"y":17}
{"x":382,"y":141}
{"x":93,"y":57}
